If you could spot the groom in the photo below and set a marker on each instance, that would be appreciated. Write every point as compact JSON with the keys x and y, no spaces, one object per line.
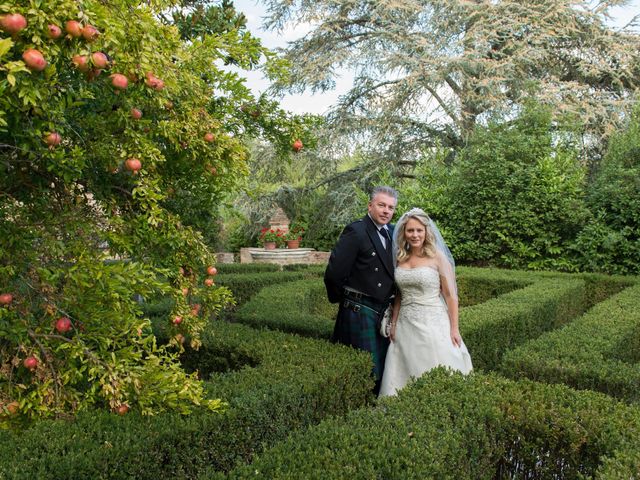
{"x":360,"y":277}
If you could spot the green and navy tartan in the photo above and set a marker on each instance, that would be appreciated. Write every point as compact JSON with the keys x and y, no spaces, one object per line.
{"x":360,"y":330}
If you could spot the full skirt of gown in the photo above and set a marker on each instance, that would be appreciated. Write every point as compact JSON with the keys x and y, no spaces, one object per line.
{"x":423,"y":339}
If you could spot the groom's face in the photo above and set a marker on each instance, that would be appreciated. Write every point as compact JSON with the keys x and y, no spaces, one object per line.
{"x":381,"y":208}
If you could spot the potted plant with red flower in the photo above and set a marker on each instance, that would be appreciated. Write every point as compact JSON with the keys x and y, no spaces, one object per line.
{"x":294,"y":235}
{"x":271,"y":238}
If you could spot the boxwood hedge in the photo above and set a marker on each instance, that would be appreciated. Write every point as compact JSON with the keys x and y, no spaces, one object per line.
{"x":447,"y":426}
{"x":599,"y":351}
{"x":444,"y":426}
{"x":229,"y":268}
{"x":279,"y":383}
{"x":302,"y":307}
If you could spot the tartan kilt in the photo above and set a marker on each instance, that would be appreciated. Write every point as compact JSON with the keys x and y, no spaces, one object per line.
{"x":360,"y":330}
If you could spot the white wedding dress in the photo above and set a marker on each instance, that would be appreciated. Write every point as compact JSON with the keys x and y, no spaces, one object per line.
{"x":423,"y":339}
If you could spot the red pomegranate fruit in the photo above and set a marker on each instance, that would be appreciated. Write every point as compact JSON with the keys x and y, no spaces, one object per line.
{"x":34,"y":60}
{"x":53,"y":139}
{"x":13,"y":23}
{"x":90,"y":33}
{"x":119,"y":81}
{"x":133,"y":165}
{"x":100,"y":60}
{"x":73,"y":28}
{"x":54,"y":31}
{"x":63,"y":324}
{"x":31,"y":363}
{"x":6,"y":298}
{"x":81,"y":62}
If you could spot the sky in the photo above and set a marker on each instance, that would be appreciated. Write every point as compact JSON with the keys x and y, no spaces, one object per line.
{"x":320,"y":103}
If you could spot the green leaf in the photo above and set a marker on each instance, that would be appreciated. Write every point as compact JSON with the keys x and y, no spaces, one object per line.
{"x":5,"y":46}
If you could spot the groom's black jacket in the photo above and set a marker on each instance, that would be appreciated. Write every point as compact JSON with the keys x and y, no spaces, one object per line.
{"x":359,"y":261}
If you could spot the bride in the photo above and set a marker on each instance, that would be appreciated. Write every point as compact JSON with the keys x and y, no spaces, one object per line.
{"x":424,"y":325}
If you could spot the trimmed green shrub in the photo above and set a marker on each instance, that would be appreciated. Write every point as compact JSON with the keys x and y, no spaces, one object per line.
{"x":309,"y":268}
{"x":298,"y":307}
{"x":448,"y":426}
{"x":302,"y":307}
{"x":230,"y":268}
{"x":478,"y":285}
{"x":493,"y":327}
{"x":242,"y":285}
{"x":245,"y":285}
{"x":599,"y":351}
{"x":289,"y":383}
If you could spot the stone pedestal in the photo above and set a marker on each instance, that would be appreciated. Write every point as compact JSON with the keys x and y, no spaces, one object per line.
{"x":224,"y":257}
{"x":283,"y":256}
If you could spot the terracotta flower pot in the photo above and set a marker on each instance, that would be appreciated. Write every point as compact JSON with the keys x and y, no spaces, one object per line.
{"x":269,"y":245}
{"x":293,"y":243}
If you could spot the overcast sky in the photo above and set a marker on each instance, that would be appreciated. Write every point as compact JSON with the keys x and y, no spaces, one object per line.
{"x":320,"y":103}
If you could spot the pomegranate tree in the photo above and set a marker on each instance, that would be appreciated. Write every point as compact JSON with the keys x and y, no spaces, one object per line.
{"x":73,"y":196}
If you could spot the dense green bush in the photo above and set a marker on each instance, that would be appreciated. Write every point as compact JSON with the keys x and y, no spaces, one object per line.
{"x":516,"y":196}
{"x":610,"y":242}
{"x":599,"y":351}
{"x":448,"y":426}
{"x":280,"y":383}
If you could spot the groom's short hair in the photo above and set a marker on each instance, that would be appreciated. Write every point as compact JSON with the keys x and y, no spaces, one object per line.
{"x":392,"y":192}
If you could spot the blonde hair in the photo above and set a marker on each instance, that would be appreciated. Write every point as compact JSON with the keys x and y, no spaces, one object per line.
{"x":428,"y":247}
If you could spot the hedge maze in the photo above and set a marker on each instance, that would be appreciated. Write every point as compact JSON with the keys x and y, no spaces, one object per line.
{"x":554,"y":393}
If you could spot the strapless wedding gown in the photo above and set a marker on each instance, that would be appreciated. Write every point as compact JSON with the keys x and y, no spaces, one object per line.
{"x":423,"y":339}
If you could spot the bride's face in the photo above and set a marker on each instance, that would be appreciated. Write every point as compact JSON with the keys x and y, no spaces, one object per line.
{"x":414,"y":233}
